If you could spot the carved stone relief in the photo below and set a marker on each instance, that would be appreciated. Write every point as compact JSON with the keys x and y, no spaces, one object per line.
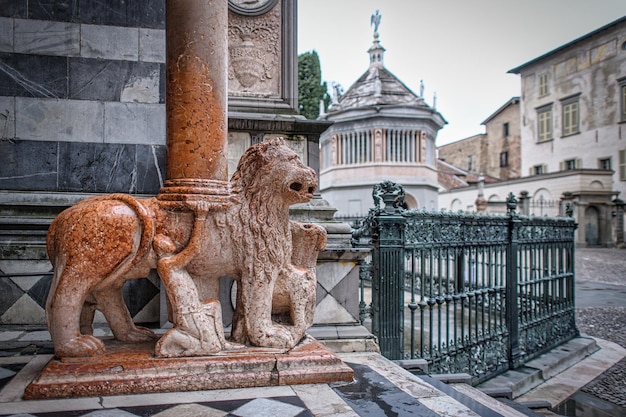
{"x":254,"y":47}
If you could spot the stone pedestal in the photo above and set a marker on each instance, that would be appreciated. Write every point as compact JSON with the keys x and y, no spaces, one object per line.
{"x":337,"y":317}
{"x":133,"y":369}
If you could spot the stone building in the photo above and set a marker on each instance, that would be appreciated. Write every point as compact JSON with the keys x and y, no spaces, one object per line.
{"x":382,"y":130}
{"x":572,"y":113}
{"x":496,"y":152}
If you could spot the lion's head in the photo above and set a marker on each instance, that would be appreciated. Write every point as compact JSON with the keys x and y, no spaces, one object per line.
{"x":269,"y":178}
{"x":272,"y":167}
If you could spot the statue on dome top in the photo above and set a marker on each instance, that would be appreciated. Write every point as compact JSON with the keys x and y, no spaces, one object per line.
{"x":375,"y":21}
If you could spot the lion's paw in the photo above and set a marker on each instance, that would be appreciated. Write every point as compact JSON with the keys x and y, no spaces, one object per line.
{"x":138,"y":334}
{"x":177,"y":343}
{"x":275,"y":336}
{"x":80,"y":347}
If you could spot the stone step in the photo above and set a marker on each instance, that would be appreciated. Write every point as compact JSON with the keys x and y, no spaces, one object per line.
{"x":479,"y":402}
{"x":535,"y":372}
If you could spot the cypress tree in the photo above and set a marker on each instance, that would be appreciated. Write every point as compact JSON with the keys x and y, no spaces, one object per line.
{"x":311,"y":89}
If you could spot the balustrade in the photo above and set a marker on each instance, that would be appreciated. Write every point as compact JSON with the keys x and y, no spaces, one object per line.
{"x":403,"y":146}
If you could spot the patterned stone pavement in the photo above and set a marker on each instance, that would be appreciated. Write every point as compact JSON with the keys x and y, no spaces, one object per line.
{"x":604,"y":315}
{"x":382,"y":388}
{"x":608,"y":324}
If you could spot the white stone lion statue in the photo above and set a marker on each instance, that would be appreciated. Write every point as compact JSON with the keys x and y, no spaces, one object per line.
{"x":101,"y":242}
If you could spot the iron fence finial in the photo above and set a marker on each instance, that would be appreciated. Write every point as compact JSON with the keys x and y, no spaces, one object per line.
{"x":511,"y":204}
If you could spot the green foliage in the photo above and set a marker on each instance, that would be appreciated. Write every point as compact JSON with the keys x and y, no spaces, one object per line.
{"x":311,"y":89}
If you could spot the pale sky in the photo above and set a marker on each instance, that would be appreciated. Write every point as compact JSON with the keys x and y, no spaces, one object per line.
{"x":461,"y":49}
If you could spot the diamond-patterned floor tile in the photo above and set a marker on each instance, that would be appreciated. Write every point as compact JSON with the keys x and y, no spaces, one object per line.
{"x":265,"y":407}
{"x":24,"y":307}
{"x":39,"y":291}
{"x":331,"y":273}
{"x":191,"y":410}
{"x":9,"y":294}
{"x":329,"y":311}
{"x":113,"y":412}
{"x":6,"y":373}
{"x":138,"y":293}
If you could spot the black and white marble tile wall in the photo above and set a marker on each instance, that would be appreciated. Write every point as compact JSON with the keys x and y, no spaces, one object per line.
{"x":136,"y":13}
{"x":82,"y":93}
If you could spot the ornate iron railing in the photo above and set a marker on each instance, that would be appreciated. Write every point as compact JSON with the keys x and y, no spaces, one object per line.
{"x":472,"y":293}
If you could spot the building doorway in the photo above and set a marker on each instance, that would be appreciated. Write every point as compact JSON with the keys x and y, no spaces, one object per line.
{"x":592,"y":229}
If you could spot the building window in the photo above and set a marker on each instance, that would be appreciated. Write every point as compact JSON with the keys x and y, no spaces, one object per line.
{"x":570,"y":115}
{"x":539,"y":169}
{"x":622,"y":165}
{"x":544,"y":123}
{"x":604,"y":163}
{"x":504,"y":159}
{"x":622,"y":98}
{"x":543,"y":85}
{"x":470,"y":162}
{"x":570,"y":164}
{"x":505,"y":130}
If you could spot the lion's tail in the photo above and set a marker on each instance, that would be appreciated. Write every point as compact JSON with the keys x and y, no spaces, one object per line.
{"x":147,"y":221}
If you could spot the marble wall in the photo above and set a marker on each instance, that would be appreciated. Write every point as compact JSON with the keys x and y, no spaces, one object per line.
{"x":82,"y":93}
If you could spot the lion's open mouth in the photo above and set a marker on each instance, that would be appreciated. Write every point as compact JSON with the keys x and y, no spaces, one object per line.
{"x":298,"y":186}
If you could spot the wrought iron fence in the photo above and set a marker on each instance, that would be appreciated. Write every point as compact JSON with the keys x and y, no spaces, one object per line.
{"x":470,"y":293}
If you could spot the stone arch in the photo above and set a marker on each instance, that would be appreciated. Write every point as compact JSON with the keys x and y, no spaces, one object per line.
{"x":411,"y":202}
{"x":456,"y":205}
{"x":542,"y":203}
{"x":542,"y":193}
{"x":596,"y":185}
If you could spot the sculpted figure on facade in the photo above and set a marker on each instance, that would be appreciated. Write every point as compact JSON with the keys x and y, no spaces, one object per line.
{"x":101,"y":242}
{"x":378,"y":145}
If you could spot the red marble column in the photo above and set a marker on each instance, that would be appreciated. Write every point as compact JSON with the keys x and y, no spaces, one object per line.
{"x":196,"y":97}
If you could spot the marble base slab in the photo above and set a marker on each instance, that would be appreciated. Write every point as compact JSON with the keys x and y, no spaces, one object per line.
{"x":133,"y":369}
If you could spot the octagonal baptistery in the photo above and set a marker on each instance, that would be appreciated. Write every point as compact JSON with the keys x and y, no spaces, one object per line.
{"x":382,"y":131}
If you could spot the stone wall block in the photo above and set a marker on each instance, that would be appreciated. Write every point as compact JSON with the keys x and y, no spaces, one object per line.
{"x":59,"y":120}
{"x":33,"y":75}
{"x":6,"y":34}
{"x":142,"y":88}
{"x":134,"y":123}
{"x":28,"y":165}
{"x":152,"y":45}
{"x":7,"y":118}
{"x":97,"y":167}
{"x":137,"y":13}
{"x":13,"y":8}
{"x":110,"y":42}
{"x":150,"y":168}
{"x":107,"y":80}
{"x":45,"y":37}
{"x":60,"y":11}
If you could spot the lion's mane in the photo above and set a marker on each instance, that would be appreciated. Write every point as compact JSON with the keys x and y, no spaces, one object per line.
{"x":264,"y":241}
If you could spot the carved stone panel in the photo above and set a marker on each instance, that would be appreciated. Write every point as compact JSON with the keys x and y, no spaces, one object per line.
{"x":254,"y":47}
